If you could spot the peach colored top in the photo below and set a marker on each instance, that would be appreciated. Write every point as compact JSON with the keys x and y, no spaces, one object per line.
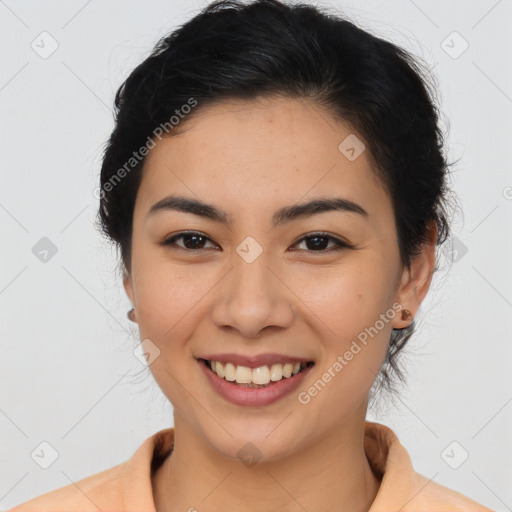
{"x":127,"y":486}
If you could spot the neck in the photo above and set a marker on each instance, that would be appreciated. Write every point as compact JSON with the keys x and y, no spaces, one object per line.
{"x":330,"y":474}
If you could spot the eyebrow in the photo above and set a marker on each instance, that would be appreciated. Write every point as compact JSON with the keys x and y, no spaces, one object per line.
{"x":281,"y":216}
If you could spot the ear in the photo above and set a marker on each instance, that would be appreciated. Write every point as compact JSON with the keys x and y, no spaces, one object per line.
{"x":416,"y":279}
{"x":128,"y":285}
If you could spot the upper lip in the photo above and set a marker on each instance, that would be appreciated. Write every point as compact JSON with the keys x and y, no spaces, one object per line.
{"x":268,"y":359}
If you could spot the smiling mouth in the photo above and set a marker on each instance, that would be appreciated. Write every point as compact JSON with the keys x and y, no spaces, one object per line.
{"x":260,"y":377}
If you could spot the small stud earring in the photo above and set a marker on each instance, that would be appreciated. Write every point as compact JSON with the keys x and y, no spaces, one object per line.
{"x":131,"y":315}
{"x":405,"y":314}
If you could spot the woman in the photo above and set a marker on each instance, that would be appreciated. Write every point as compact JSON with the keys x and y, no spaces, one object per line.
{"x":276,"y":185}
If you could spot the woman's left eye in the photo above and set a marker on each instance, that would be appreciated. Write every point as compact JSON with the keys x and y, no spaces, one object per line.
{"x":316,"y":242}
{"x":321,"y":240}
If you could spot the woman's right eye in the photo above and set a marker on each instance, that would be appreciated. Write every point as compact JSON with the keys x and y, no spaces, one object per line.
{"x":192,"y":240}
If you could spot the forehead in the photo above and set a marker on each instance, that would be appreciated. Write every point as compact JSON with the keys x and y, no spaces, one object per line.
{"x":278,"y":150}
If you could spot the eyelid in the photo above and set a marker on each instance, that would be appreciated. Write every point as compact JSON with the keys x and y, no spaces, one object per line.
{"x":169,"y":240}
{"x":340,"y":243}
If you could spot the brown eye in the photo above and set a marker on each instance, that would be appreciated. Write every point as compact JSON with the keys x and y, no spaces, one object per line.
{"x":318,"y":242}
{"x":192,"y":241}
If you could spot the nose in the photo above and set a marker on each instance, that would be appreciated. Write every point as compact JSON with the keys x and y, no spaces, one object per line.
{"x":252,"y":298}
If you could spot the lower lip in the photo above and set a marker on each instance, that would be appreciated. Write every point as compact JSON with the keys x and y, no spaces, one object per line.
{"x":255,"y":397}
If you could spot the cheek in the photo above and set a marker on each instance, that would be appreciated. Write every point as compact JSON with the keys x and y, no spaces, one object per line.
{"x":168,"y":301}
{"x":347,"y":299}
{"x":353,"y":322}
{"x":171,"y":303}
{"x":349,"y":309}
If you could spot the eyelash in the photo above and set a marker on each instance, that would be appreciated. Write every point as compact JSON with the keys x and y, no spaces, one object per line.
{"x":340,"y":244}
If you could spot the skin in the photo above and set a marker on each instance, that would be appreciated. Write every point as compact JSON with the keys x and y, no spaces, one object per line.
{"x":251,"y":158}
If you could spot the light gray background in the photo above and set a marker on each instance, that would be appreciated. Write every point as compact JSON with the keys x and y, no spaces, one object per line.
{"x":69,"y":376}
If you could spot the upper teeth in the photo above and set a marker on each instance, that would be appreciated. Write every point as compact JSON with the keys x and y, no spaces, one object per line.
{"x":261,"y":375}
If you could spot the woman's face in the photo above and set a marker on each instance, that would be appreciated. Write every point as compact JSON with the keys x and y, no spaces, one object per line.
{"x":252,"y":283}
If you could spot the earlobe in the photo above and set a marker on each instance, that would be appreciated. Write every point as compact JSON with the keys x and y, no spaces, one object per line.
{"x":416,"y":280}
{"x":128,"y":288}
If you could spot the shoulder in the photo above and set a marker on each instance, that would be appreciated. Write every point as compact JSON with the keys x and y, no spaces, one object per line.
{"x":101,"y":491}
{"x":439,"y":497}
{"x":403,"y":488}
{"x":121,"y":487}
